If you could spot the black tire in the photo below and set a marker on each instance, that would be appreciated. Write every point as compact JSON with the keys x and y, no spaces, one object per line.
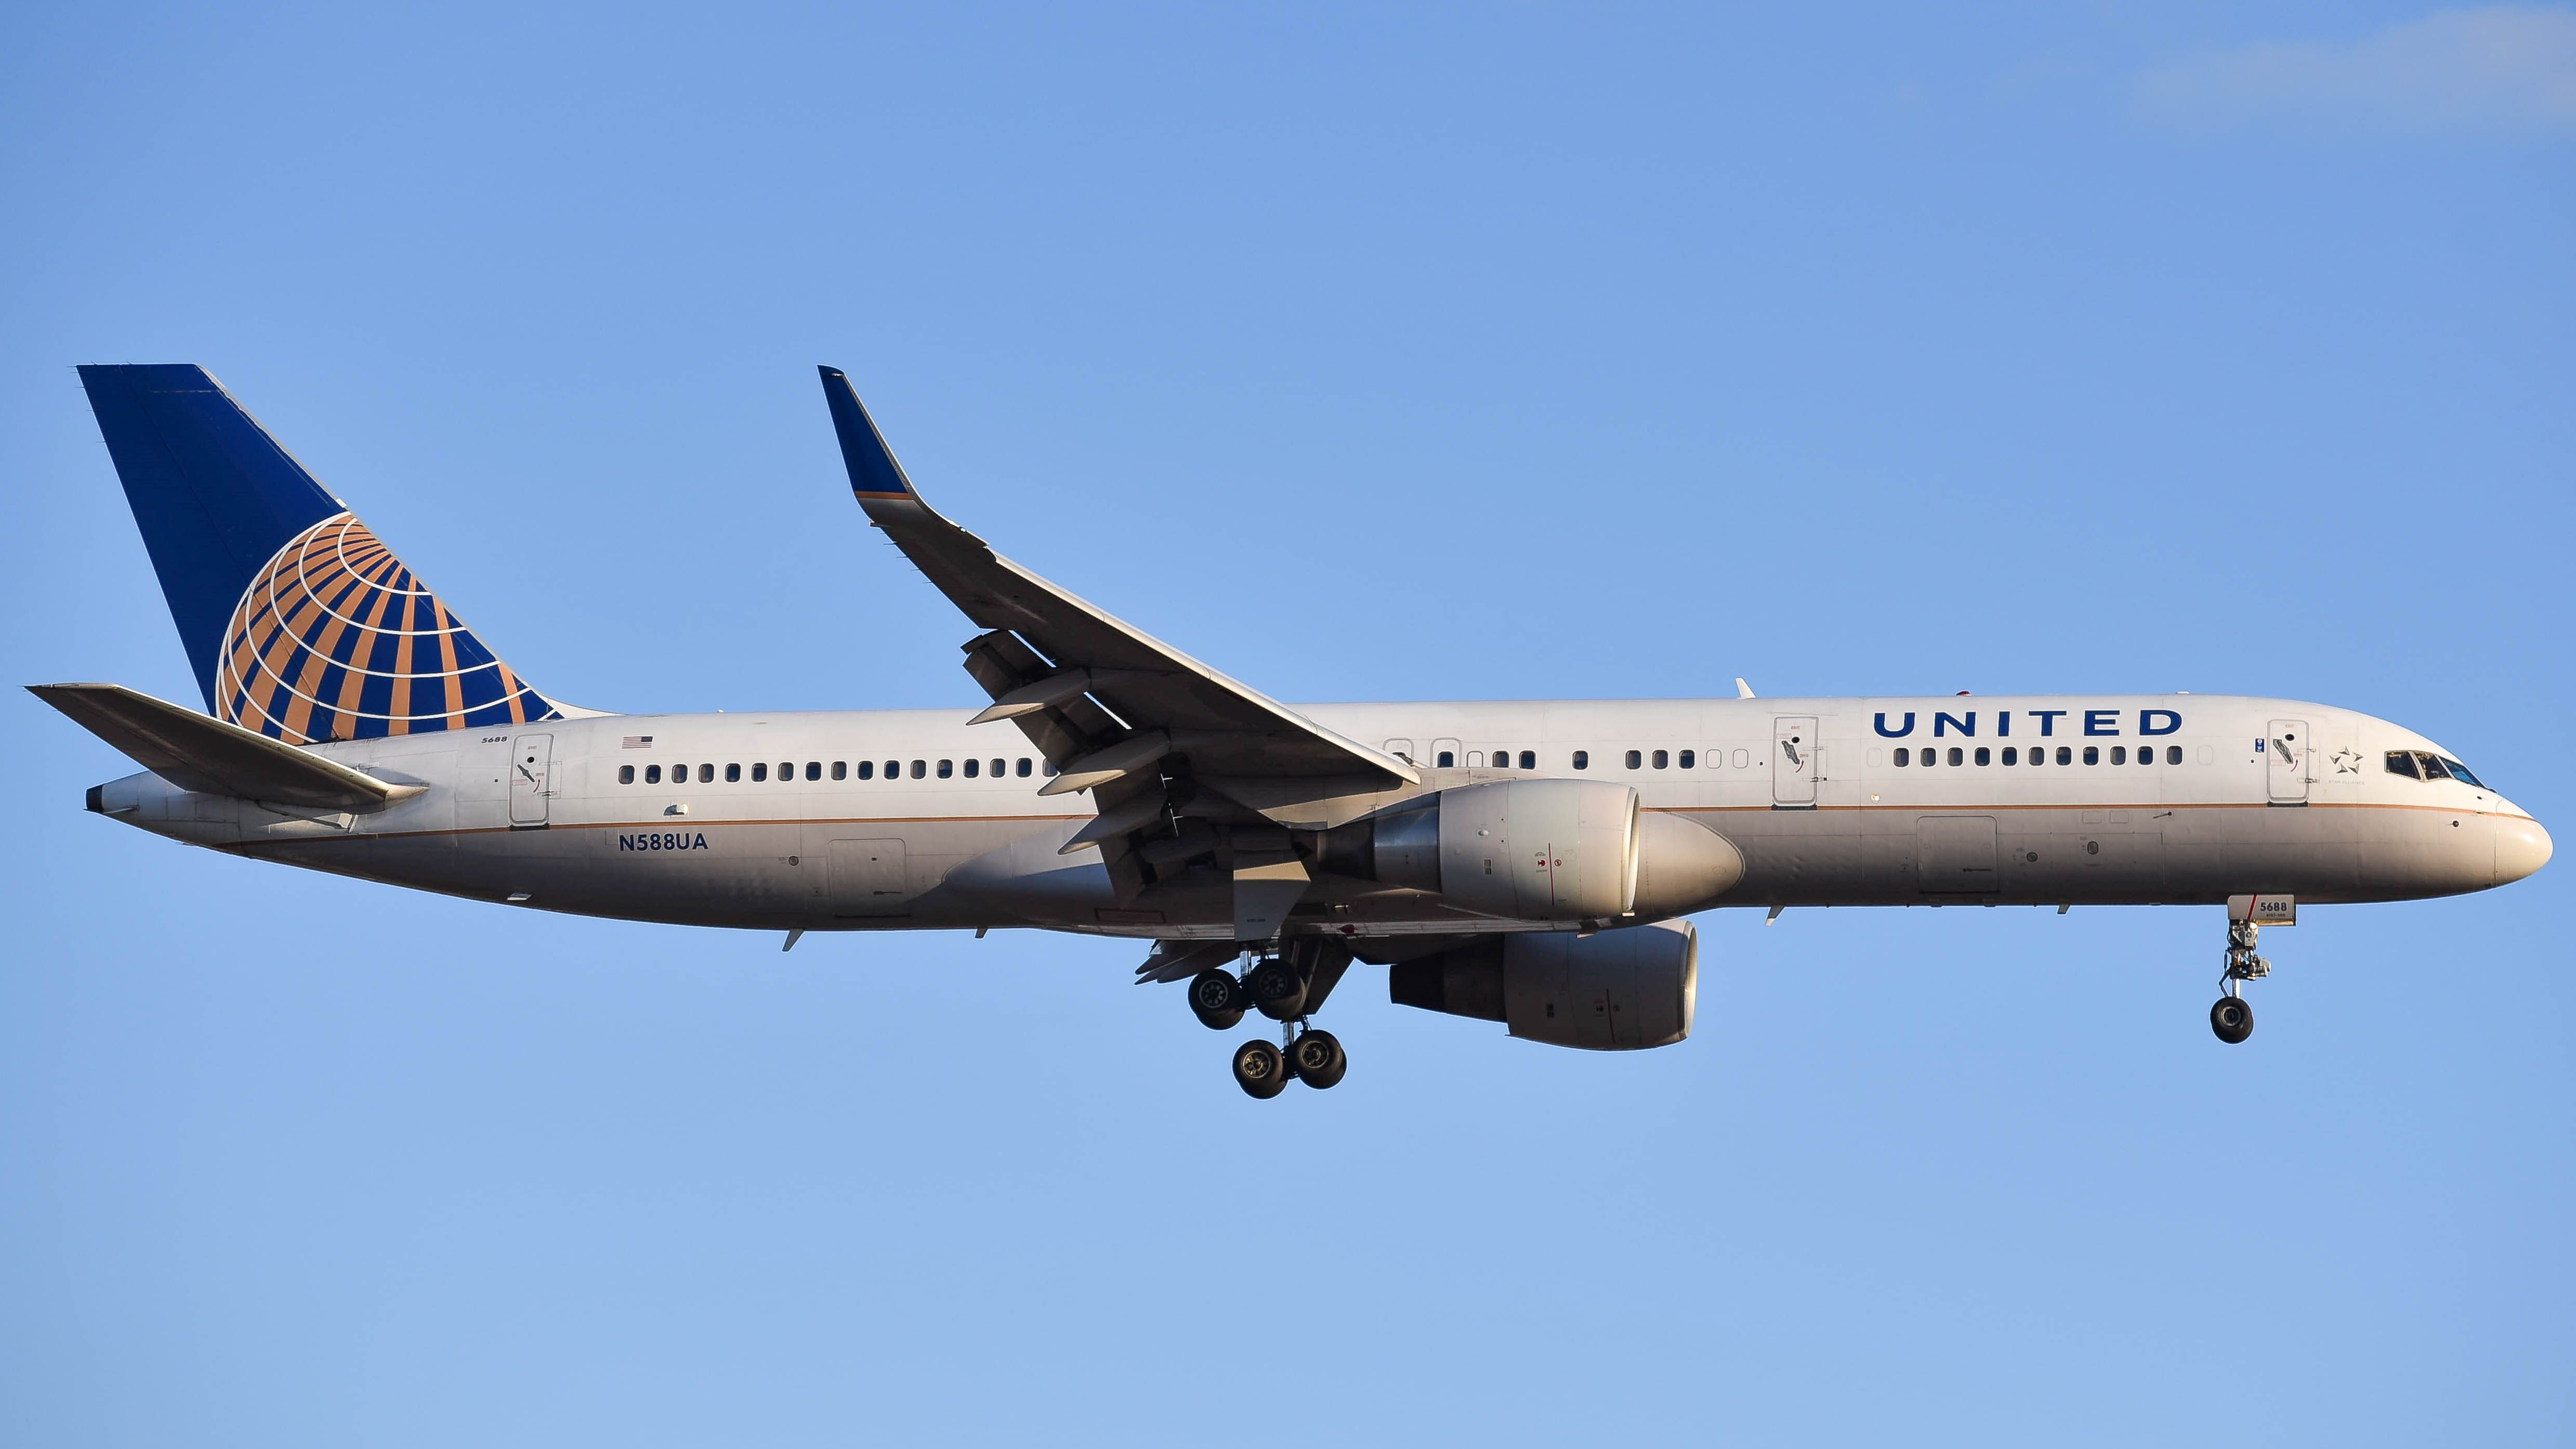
{"x":2232,"y":1019}
{"x":1260,"y":1070}
{"x":1318,"y":1059}
{"x":1279,"y":989}
{"x":1217,"y":999}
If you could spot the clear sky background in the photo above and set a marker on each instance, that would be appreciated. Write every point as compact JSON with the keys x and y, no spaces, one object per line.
{"x":1482,"y":352}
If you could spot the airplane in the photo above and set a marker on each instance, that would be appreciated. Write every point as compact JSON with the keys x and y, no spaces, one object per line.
{"x":1530,"y":863}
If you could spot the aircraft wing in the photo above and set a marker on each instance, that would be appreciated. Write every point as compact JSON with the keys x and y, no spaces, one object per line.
{"x":1104,"y":700}
{"x":199,"y":752}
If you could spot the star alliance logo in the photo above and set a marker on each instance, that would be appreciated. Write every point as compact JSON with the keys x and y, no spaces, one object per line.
{"x":2347,"y":761}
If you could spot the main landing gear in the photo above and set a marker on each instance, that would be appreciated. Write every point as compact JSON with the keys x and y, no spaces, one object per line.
{"x":1286,"y":988}
{"x":2232,"y":1017}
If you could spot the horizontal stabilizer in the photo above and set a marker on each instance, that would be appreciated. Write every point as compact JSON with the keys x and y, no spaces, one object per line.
{"x":204,"y":754}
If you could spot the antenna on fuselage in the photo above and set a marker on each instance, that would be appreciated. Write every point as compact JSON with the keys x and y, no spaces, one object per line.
{"x":1742,"y":689}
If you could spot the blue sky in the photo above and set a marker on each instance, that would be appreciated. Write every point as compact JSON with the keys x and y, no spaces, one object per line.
{"x":1367,"y":353}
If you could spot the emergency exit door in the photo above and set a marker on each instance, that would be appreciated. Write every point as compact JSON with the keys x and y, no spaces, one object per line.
{"x":532,"y":761}
{"x":1793,"y":761}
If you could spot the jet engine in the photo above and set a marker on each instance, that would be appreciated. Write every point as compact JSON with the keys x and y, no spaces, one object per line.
{"x":1607,"y":991}
{"x":1535,"y":850}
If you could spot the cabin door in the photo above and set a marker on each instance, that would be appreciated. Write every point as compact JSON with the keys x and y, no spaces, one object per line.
{"x":532,"y":761}
{"x":1793,"y":761}
{"x":2285,"y":761}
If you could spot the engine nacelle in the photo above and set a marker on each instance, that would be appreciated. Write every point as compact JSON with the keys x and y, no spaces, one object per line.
{"x":1608,"y":991}
{"x":1533,"y":850}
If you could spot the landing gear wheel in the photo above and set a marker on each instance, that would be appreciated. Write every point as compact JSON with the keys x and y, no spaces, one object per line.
{"x":1260,"y":1070}
{"x":1318,"y":1059}
{"x":1217,"y":999}
{"x":2232,"y":1019}
{"x":1279,"y":989}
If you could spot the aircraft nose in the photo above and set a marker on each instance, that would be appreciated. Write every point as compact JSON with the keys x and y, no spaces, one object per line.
{"x":2521,"y":848}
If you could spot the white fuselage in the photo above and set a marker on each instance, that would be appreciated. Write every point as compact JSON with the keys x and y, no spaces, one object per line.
{"x":910,"y":819}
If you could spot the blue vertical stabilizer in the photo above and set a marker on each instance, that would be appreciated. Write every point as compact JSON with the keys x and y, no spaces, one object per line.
{"x":297,"y":622}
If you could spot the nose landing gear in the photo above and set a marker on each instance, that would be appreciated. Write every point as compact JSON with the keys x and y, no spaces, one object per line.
{"x":2232,"y":1018}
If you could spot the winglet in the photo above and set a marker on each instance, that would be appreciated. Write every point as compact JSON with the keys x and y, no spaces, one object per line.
{"x":873,"y":471}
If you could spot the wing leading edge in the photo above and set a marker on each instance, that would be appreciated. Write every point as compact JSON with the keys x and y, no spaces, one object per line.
{"x":1168,"y":701}
{"x":1115,"y":710}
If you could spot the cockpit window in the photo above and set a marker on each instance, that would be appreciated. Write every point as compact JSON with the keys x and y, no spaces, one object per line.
{"x":2431,"y":766}
{"x":2402,"y":762}
{"x":2461,"y":773}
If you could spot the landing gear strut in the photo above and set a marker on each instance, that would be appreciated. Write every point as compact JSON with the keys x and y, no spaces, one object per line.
{"x":1287,"y":987}
{"x":2232,"y":1018}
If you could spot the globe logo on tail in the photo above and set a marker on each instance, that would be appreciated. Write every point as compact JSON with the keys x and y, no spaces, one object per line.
{"x":336,"y":640}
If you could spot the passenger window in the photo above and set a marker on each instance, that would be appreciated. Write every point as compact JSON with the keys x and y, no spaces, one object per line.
{"x":894,"y":769}
{"x":2401,"y":762}
{"x":2092,"y":754}
{"x":1583,"y":759}
{"x":759,"y":770}
{"x":2011,"y":756}
{"x":2065,"y":756}
{"x":786,"y":770}
{"x":1904,"y":757}
{"x":1635,"y":759}
{"x":1689,"y":760}
{"x":2119,"y":754}
{"x":921,"y":768}
{"x":867,"y":769}
{"x":946,"y":769}
{"x":1663,"y":760}
{"x":840,"y":769}
{"x":1985,"y":756}
{"x":1024,"y":767}
{"x":626,"y":774}
{"x":1529,"y":759}
{"x":1448,"y":759}
{"x":2431,"y":766}
{"x":2146,"y":754}
{"x":972,"y":766}
{"x":997,"y":768}
{"x":653,"y":774}
{"x":1957,"y":755}
{"x":2173,"y":754}
{"x":733,"y":774}
{"x":813,"y":769}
